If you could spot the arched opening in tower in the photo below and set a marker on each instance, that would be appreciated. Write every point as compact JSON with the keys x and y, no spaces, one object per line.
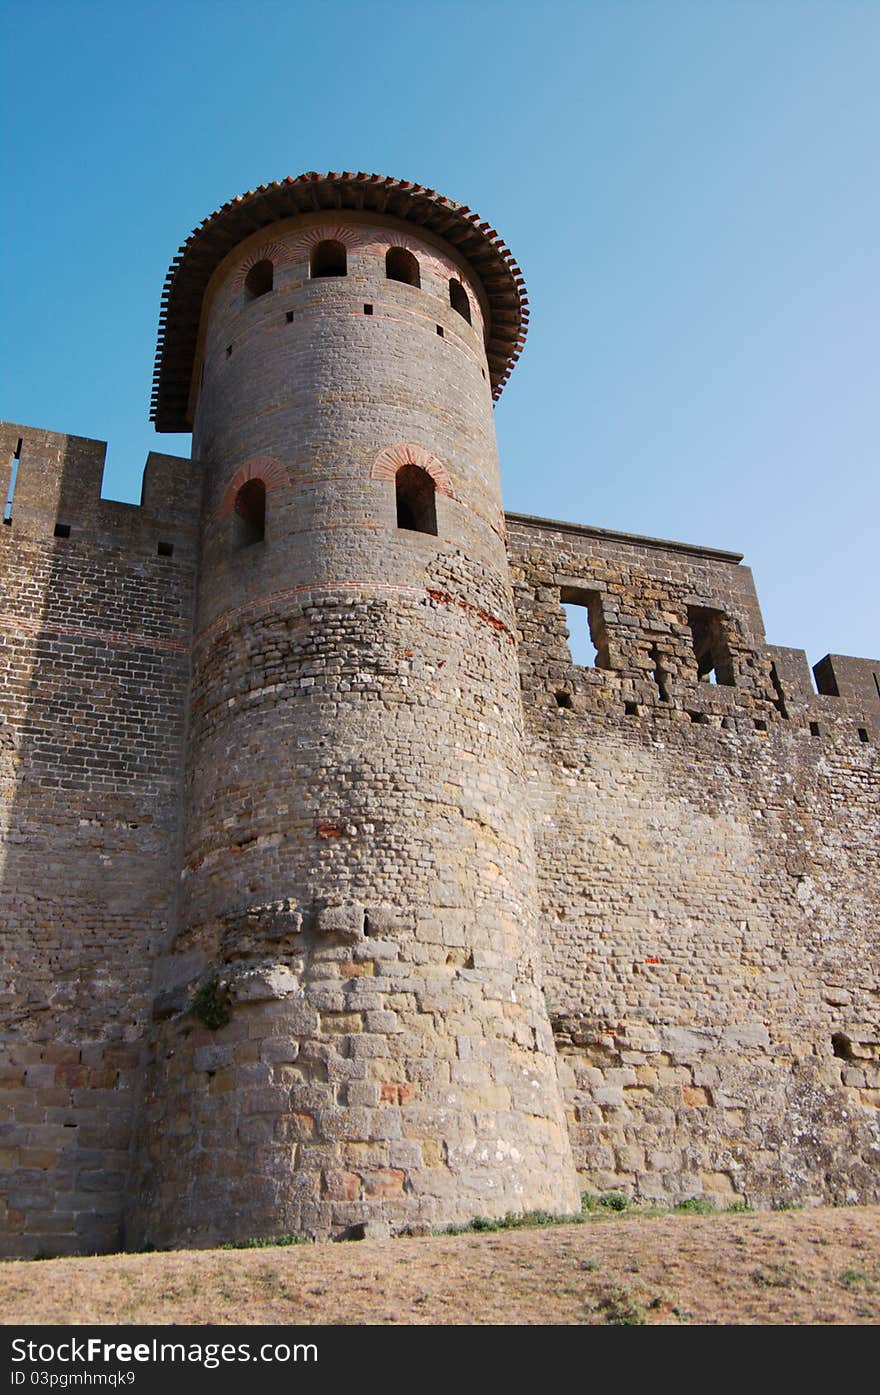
{"x":260,"y":279}
{"x":416,"y":500}
{"x":401,"y":265}
{"x":458,"y":299}
{"x":249,"y":514}
{"x":328,"y":259}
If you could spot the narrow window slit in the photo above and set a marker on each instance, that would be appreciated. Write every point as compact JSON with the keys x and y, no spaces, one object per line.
{"x":777,"y":688}
{"x":13,"y":476}
{"x":659,"y":673}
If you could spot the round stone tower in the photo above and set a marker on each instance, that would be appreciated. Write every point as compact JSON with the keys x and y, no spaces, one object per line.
{"x":365,"y":1041}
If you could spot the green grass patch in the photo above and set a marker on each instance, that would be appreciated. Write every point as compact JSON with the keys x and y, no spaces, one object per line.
{"x":615,"y":1201}
{"x":696,"y":1206}
{"x":524,"y":1220}
{"x":264,"y":1242}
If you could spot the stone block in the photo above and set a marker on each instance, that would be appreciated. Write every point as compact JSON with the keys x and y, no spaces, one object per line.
{"x":387,"y":922}
{"x":212,"y":1057}
{"x":744,"y":1035}
{"x":279,"y":1050}
{"x":347,"y":922}
{"x":263,"y":985}
{"x":685,"y":1043}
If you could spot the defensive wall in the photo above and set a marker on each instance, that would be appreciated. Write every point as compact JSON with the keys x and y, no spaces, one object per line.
{"x":336,"y":897}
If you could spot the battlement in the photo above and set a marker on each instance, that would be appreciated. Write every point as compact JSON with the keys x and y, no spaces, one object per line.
{"x":50,"y":483}
{"x":678,"y":635}
{"x":372,"y":858}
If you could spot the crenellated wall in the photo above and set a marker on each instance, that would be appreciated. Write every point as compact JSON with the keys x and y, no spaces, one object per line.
{"x":95,"y":622}
{"x":707,"y":871}
{"x":708,"y":877}
{"x":335,"y":896}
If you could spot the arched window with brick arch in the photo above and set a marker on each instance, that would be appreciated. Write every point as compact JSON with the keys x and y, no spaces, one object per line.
{"x":416,"y":500}
{"x":401,"y":265}
{"x":458,"y":299}
{"x":260,"y":279}
{"x":328,"y":258}
{"x":249,"y":514}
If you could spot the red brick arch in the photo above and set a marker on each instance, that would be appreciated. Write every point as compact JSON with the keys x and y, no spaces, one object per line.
{"x":351,"y":238}
{"x":261,"y":467}
{"x":391,"y":458}
{"x":275,"y":252}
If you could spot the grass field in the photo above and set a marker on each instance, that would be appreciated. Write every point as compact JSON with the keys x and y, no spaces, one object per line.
{"x":616,"y":1267}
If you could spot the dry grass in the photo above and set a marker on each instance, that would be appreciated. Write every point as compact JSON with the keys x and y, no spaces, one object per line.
{"x":814,"y":1266}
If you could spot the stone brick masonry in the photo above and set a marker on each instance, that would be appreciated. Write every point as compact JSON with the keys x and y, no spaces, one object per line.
{"x":336,"y":896}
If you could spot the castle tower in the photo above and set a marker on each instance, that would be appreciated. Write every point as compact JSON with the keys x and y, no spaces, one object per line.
{"x":358,"y":906}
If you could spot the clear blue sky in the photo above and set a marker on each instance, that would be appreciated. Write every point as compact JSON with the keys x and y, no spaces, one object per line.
{"x":691,"y":190}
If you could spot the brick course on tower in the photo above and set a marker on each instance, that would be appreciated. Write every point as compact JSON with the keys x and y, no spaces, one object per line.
{"x":337,"y":898}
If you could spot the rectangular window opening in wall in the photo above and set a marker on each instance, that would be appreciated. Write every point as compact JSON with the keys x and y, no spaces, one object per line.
{"x":714,"y":662}
{"x":62,"y":530}
{"x":165,"y":549}
{"x":289,"y":317}
{"x":588,"y":636}
{"x":440,"y":330}
{"x":368,"y":309}
{"x":863,"y":733}
{"x":815,"y":729}
{"x":13,"y":475}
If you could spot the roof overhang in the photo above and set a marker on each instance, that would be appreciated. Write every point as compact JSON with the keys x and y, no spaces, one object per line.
{"x":191,"y":270}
